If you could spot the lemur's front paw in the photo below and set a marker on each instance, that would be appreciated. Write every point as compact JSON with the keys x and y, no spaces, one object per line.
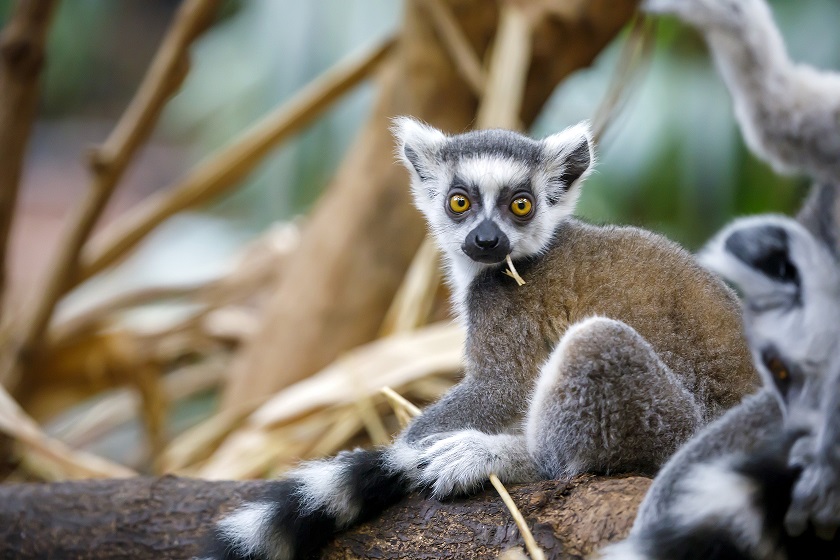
{"x":460,"y":463}
{"x":816,"y":499}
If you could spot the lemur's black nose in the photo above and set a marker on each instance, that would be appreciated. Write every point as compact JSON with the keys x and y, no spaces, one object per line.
{"x":486,"y":243}
{"x":486,"y":235}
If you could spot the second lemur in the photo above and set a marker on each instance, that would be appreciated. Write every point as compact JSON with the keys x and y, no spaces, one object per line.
{"x":763,"y":481}
{"x":613,"y":353}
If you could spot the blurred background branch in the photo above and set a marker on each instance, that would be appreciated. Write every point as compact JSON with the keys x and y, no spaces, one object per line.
{"x":107,"y":164}
{"x":220,"y":172}
{"x":22,"y":46}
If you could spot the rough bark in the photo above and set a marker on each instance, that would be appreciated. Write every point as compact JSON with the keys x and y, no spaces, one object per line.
{"x":363,"y":233}
{"x":568,"y":520}
{"x":165,"y":518}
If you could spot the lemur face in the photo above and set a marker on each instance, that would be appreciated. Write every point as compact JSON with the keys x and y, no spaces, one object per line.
{"x":790,"y":283}
{"x":492,"y":193}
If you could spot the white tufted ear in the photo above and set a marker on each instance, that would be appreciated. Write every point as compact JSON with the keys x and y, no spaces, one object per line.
{"x":567,"y":159}
{"x":417,"y":147}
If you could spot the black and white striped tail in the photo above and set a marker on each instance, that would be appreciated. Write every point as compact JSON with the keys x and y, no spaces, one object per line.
{"x":298,"y":515}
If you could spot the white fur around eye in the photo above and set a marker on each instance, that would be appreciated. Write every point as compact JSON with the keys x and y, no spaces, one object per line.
{"x":492,"y":174}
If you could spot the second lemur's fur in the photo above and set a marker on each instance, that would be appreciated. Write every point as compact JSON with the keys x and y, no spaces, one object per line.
{"x":763,"y":481}
{"x":614,"y":352}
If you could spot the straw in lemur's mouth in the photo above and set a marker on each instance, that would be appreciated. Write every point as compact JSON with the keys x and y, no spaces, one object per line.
{"x":511,"y":271}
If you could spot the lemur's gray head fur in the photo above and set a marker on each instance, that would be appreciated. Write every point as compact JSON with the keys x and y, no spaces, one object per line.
{"x":790,"y":283}
{"x":490,"y":193}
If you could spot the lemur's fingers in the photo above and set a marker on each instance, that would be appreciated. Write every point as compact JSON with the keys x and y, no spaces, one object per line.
{"x":815,"y":500}
{"x":796,"y":520}
{"x":802,"y":451}
{"x":459,"y":464}
{"x":462,"y":462}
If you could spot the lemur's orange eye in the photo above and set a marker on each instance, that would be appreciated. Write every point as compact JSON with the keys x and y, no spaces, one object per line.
{"x":459,"y":203}
{"x":778,"y":369}
{"x":521,"y":206}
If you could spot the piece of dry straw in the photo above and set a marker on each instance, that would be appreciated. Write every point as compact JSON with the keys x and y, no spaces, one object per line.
{"x":511,"y":271}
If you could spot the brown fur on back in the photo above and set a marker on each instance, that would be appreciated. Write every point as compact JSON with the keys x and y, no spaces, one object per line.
{"x":690,"y":317}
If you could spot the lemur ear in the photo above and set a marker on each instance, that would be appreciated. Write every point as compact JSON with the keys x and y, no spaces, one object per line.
{"x":568,"y":157}
{"x":418,"y":145}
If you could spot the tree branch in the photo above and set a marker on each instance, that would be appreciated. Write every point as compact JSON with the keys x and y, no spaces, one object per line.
{"x":458,"y":45}
{"x":108,"y":163}
{"x":507,"y":77}
{"x":22,"y":46}
{"x":52,"y":458}
{"x":166,"y":518}
{"x":219,"y":172}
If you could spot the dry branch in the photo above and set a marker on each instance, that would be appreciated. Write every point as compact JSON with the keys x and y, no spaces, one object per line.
{"x":220,"y":172}
{"x":393,"y":361}
{"x":66,"y":331}
{"x":458,"y":45}
{"x":21,"y":58}
{"x":121,"y":405}
{"x":50,"y":457}
{"x":108,"y":163}
{"x":94,"y":349}
{"x":414,"y":300}
{"x":508,"y":73}
{"x":635,"y":57}
{"x":258,"y":266}
{"x":160,"y":519}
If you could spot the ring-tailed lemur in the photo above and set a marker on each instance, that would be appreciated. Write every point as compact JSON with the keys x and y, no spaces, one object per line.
{"x":748,"y":486}
{"x":617,"y":348}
